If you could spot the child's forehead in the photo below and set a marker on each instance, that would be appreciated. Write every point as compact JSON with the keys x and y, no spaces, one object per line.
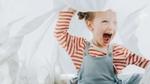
{"x":107,"y":13}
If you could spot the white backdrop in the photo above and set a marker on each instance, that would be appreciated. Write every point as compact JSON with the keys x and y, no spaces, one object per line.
{"x":29,"y":54}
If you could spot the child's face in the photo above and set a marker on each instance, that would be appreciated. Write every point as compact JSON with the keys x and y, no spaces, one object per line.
{"x":103,"y":27}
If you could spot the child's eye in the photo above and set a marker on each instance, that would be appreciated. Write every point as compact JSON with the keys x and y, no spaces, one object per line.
{"x":105,"y":21}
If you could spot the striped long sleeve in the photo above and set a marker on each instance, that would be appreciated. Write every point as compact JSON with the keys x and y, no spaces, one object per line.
{"x":133,"y":58}
{"x":124,"y":57}
{"x":72,"y":44}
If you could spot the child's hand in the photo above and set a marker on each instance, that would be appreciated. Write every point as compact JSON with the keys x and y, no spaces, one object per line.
{"x":72,"y":10}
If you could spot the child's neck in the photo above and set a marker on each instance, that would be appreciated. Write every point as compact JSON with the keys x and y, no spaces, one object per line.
{"x":99,"y":45}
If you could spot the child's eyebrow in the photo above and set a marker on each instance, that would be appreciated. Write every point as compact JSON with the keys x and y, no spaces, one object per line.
{"x":105,"y":18}
{"x":102,"y":18}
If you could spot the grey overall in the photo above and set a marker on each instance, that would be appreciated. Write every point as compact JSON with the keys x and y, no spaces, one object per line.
{"x":100,"y":70}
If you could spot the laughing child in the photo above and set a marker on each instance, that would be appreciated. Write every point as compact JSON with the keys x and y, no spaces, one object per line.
{"x":98,"y":61}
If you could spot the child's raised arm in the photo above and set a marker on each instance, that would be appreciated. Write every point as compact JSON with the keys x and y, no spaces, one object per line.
{"x":72,"y":44}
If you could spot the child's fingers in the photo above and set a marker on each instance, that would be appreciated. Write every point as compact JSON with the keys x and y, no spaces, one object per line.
{"x":72,"y":10}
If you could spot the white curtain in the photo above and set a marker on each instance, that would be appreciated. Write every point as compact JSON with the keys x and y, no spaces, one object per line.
{"x":29,"y":53}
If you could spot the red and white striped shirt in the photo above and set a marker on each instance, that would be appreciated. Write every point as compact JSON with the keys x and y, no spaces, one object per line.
{"x":75,"y":46}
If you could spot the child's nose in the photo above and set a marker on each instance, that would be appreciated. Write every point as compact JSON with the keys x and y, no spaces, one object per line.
{"x":111,"y":25}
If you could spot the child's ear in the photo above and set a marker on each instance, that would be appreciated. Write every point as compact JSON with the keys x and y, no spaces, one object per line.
{"x":90,"y":26}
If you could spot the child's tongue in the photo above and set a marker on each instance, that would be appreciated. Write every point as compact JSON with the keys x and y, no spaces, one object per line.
{"x":106,"y":37}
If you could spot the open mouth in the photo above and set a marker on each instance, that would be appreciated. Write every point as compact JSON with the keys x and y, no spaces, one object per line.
{"x":107,"y":37}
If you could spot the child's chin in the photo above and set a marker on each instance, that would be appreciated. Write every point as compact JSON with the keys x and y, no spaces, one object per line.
{"x":106,"y":43}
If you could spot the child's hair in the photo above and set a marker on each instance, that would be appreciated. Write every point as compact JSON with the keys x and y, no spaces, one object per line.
{"x":86,"y":16}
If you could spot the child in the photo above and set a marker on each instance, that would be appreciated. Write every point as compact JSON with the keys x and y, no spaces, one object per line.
{"x":97,"y":61}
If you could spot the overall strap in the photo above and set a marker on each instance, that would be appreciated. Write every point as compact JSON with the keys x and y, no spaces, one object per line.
{"x":87,"y":45}
{"x":110,"y":50}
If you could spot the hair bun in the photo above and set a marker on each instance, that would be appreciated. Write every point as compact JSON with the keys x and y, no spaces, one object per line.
{"x":82,"y":15}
